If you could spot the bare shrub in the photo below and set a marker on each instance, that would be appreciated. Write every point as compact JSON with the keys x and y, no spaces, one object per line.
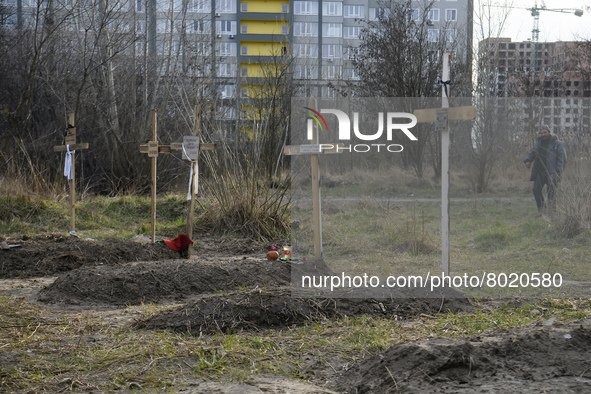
{"x":573,"y":208}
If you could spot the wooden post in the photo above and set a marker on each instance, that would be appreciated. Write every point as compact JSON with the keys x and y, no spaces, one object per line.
{"x":72,"y":122}
{"x":194,"y":170}
{"x":153,"y":153}
{"x":153,"y":150}
{"x":314,"y":150}
{"x":316,"y":198}
{"x":445,"y":171}
{"x":441,"y":118}
{"x":70,"y":145}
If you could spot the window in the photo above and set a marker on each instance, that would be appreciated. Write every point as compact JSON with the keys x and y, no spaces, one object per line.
{"x":331,"y":72}
{"x":139,"y":48}
{"x":354,"y":11}
{"x":225,"y":49}
{"x":198,"y":6}
{"x":305,"y":29}
{"x":451,"y":15}
{"x":244,"y":93}
{"x":351,"y":73}
{"x":227,"y":91}
{"x":226,"y":27}
{"x":305,"y":50}
{"x":350,"y":53}
{"x":331,"y":51}
{"x":332,"y":30}
{"x":244,"y":72}
{"x":163,"y":5}
{"x":140,"y":27}
{"x":332,"y":8}
{"x":433,"y":15}
{"x":432,"y":35}
{"x":163,"y":25}
{"x":202,"y":26}
{"x":225,"y":6}
{"x":226,"y":70}
{"x":285,"y":8}
{"x":244,"y":29}
{"x":305,"y":8}
{"x":244,"y":7}
{"x":284,"y":29}
{"x":225,"y":112}
{"x":244,"y":50}
{"x":305,"y":72}
{"x":450,"y":35}
{"x":378,"y":13}
{"x":413,"y":15}
{"x":351,"y":31}
{"x":140,"y":6}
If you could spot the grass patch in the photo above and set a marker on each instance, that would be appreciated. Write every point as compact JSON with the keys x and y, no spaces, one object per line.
{"x":79,"y":351}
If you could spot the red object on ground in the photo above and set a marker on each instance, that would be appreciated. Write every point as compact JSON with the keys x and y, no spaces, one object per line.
{"x":179,"y":244}
{"x":272,"y":255}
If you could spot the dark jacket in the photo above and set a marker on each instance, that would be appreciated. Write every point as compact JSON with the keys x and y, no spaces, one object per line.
{"x":555,"y":159}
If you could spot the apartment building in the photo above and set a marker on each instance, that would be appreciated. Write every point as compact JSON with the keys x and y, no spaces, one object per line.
{"x":558,"y":91}
{"x":238,"y":43}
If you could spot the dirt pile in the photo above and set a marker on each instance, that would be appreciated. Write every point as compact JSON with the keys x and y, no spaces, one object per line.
{"x":49,"y":255}
{"x":531,"y":359}
{"x":162,"y":281}
{"x":276,"y":308}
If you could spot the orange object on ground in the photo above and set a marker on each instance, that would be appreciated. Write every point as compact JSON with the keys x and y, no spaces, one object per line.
{"x":272,"y":255}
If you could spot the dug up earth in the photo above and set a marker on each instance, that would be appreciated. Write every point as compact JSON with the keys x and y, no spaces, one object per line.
{"x":230,"y":286}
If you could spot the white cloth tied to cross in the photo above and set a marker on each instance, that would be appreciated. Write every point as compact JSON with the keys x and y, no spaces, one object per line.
{"x":68,"y":164}
{"x":189,"y":196}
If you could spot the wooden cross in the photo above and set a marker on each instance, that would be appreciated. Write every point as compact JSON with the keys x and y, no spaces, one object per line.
{"x":314,"y":150}
{"x":192,"y":154}
{"x":153,"y":150}
{"x":70,"y":146}
{"x":441,"y":116}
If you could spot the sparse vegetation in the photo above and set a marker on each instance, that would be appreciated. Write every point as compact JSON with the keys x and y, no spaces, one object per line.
{"x":66,"y":350}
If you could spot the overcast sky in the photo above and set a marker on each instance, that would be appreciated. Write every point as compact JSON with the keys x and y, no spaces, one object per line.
{"x":554,"y":26}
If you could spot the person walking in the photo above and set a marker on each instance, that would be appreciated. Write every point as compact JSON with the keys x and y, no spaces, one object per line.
{"x":548,"y":157}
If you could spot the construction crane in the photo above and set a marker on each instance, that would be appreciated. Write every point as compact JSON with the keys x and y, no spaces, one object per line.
{"x":535,"y":33}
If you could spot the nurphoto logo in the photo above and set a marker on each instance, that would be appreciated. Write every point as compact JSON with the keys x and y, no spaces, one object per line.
{"x":394,"y":121}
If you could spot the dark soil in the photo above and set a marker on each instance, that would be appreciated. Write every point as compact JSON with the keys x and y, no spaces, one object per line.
{"x":531,"y":359}
{"x":231,"y":286}
{"x":276,"y":308}
{"x":50,"y":255}
{"x":162,"y":281}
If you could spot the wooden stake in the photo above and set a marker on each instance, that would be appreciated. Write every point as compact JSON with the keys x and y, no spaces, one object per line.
{"x":71,"y":122}
{"x":441,"y":117}
{"x":314,"y":150}
{"x":154,"y":156}
{"x":70,"y":142}
{"x":445,"y":172}
{"x":191,"y":215}
{"x":153,"y":150}
{"x":316,"y":208}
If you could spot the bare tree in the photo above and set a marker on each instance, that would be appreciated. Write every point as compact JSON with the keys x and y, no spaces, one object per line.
{"x":490,"y":126}
{"x":401,"y":56}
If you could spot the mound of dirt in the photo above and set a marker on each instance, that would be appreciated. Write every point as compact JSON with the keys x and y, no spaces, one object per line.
{"x":531,"y":359}
{"x":276,"y":308}
{"x":162,"y":281}
{"x":48,"y":255}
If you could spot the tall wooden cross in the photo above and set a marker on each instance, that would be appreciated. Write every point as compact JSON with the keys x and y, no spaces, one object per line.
{"x":191,"y":151}
{"x":441,"y":116}
{"x":314,"y":149}
{"x":153,"y":150}
{"x":70,"y":147}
